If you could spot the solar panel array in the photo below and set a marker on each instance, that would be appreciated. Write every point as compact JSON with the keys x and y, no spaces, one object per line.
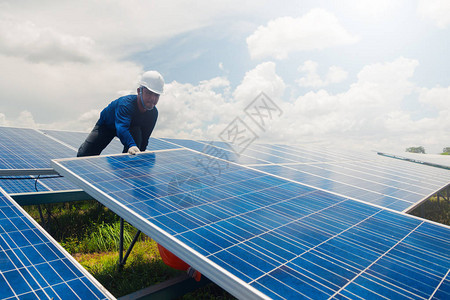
{"x":259,"y":235}
{"x":34,"y":266}
{"x":274,"y":221}
{"x":24,"y":148}
{"x":399,"y":185}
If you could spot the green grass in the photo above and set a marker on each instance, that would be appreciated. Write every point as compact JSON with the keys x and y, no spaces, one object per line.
{"x":144,"y":268}
{"x":434,"y":210}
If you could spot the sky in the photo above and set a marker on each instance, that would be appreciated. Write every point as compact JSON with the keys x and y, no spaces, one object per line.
{"x":371,"y":75}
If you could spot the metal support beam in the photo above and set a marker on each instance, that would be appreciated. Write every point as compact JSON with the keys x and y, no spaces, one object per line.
{"x":123,"y":259}
{"x":50,"y":197}
{"x":26,"y":172}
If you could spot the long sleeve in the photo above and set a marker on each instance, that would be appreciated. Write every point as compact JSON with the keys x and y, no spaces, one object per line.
{"x":122,"y":123}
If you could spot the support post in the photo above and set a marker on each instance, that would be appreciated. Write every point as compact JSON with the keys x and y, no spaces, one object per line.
{"x":121,"y":243}
{"x":123,"y":259}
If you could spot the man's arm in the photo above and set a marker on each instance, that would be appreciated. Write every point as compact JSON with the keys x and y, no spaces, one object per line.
{"x":123,"y":120}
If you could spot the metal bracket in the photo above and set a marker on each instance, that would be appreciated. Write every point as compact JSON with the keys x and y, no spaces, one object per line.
{"x":25,"y":172}
{"x":123,"y":259}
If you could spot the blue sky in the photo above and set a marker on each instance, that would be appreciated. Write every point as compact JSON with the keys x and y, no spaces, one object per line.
{"x":365,"y":74}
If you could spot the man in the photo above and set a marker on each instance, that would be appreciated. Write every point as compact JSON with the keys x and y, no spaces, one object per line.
{"x":131,"y":118}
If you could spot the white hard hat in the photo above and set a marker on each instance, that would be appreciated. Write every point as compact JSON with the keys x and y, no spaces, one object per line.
{"x":153,"y":81}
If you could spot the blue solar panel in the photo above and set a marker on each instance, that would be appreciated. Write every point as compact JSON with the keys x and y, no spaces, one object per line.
{"x":27,"y":148}
{"x":34,"y":266}
{"x":258,"y":235}
{"x":378,"y":180}
{"x":24,"y":184}
{"x":216,"y":149}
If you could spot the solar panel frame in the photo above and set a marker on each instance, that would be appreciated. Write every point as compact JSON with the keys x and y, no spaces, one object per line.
{"x":163,"y":229}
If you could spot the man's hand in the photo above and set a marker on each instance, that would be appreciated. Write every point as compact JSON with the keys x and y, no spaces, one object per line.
{"x":133,"y":150}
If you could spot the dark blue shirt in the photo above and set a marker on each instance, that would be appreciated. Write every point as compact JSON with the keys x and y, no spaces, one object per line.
{"x":123,"y":113}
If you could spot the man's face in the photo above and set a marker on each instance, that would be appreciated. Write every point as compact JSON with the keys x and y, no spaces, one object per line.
{"x":150,"y":98}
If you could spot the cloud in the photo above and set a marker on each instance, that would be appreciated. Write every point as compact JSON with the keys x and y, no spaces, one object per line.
{"x":263,"y":78}
{"x":24,"y":119}
{"x":369,"y":114}
{"x":203,"y":111}
{"x":38,"y":44}
{"x":120,"y":27}
{"x":312,"y":78}
{"x":316,"y":30}
{"x":437,"y":11}
{"x":61,"y":92}
{"x":187,"y":110}
{"x":438,"y":97}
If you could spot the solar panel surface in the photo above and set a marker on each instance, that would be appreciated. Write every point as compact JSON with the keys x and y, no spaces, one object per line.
{"x":259,"y":235}
{"x":34,"y":266}
{"x":29,"y":148}
{"x":394,"y":184}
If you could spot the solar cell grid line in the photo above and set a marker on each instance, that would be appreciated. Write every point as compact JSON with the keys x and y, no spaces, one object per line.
{"x":319,"y":153}
{"x":217,"y":149}
{"x":23,"y":148}
{"x":350,"y":190}
{"x":34,"y":266}
{"x":359,"y":167}
{"x":72,"y":138}
{"x":267,"y":157}
{"x":404,"y":167}
{"x":402,"y":170}
{"x":297,"y":155}
{"x":361,"y":178}
{"x":436,"y":179}
{"x":276,"y":238}
{"x":22,"y":184}
{"x":401,"y":183}
{"x":409,"y":193}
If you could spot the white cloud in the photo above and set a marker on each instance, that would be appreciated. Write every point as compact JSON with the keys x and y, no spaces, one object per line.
{"x":368,"y":114}
{"x":313,"y":79}
{"x":186,"y":110}
{"x":37,"y":44}
{"x":438,"y":97}
{"x":263,"y":78}
{"x":316,"y":30}
{"x":60,"y":92}
{"x":437,"y":11}
{"x":204,"y":110}
{"x":123,"y":27}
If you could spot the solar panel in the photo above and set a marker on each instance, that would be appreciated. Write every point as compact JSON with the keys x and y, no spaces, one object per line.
{"x":436,"y":160}
{"x":259,"y":235}
{"x":378,"y":180}
{"x":34,"y":266}
{"x":26,"y":148}
{"x":216,"y":149}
